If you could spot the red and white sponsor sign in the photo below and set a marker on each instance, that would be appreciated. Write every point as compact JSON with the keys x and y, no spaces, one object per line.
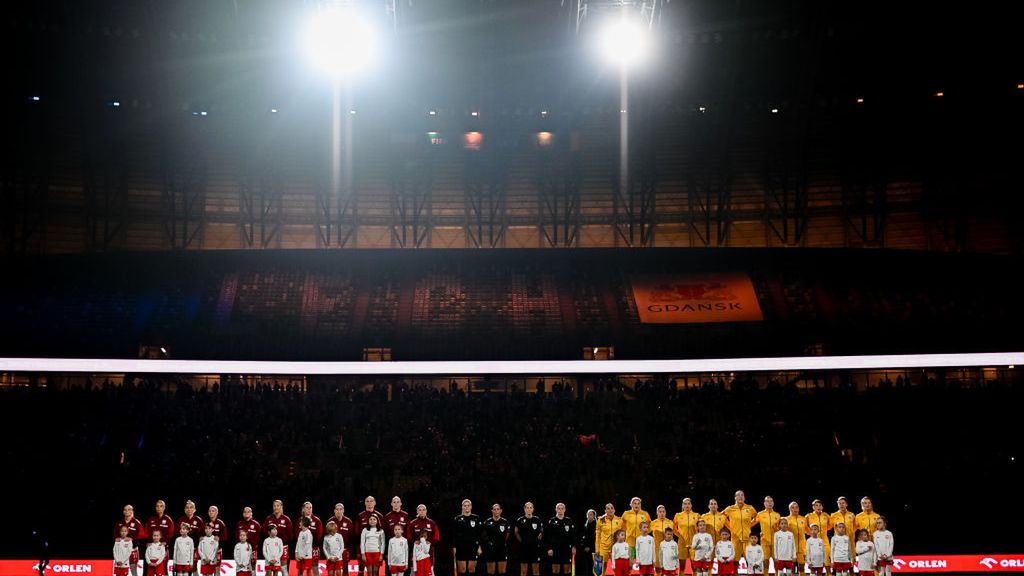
{"x":960,"y":563}
{"x":31,"y":567}
{"x":106,"y":567}
{"x":995,"y":563}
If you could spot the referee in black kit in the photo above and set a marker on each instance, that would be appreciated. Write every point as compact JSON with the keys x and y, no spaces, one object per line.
{"x":494,"y":536}
{"x":560,"y":536}
{"x":466,"y":539}
{"x":529,"y":533}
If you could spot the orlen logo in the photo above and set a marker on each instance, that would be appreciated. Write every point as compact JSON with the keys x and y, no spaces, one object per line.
{"x":991,"y":563}
{"x":928,"y":564}
{"x":63,"y":568}
{"x":898,"y":563}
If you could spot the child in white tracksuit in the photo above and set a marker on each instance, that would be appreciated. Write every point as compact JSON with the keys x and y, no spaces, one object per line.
{"x":621,"y":563}
{"x":842,"y":557}
{"x":725,"y":554}
{"x":243,"y":555}
{"x":754,"y":556}
{"x":422,"y":562}
{"x":334,"y":551}
{"x":208,"y":547}
{"x":669,"y":551}
{"x":184,"y":553}
{"x":304,"y":549}
{"x":815,"y":552}
{"x":883,"y":547}
{"x":865,"y":553}
{"x":398,"y":552}
{"x":273,"y":550}
{"x":156,"y":555}
{"x":703,"y":547}
{"x":645,"y":550}
{"x":123,"y":547}
{"x":371,"y":545}
{"x":784,"y":549}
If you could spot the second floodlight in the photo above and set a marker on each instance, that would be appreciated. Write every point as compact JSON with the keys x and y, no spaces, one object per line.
{"x":625,"y":42}
{"x":339,"y":42}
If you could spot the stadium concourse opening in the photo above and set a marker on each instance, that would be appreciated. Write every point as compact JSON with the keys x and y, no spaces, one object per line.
{"x":523,"y":288}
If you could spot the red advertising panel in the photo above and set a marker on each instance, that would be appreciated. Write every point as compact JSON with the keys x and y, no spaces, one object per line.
{"x":994,"y":563}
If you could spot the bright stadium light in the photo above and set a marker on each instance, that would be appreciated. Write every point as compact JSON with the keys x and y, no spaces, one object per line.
{"x":624,"y":42}
{"x":339,"y":42}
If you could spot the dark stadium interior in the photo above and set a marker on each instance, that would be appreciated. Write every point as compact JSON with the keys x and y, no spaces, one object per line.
{"x":486,"y":305}
{"x":907,"y":444}
{"x":166,"y":183}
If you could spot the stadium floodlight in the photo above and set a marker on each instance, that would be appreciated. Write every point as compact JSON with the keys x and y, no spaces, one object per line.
{"x":624,"y":42}
{"x":339,"y":42}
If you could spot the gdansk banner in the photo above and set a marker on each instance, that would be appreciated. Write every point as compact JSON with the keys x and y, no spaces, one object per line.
{"x":696,"y":298}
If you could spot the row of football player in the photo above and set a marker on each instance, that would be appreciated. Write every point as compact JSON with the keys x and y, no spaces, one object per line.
{"x":470,"y":532}
{"x":740,"y":518}
{"x":871,"y":553}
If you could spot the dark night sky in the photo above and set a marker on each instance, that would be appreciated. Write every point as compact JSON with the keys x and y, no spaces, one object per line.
{"x":461,"y":53}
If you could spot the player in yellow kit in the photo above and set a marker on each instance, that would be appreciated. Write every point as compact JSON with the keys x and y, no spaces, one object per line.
{"x":823,"y":520}
{"x":658,"y":526}
{"x":798,"y":526}
{"x":686,"y":527}
{"x":631,"y":521}
{"x":867,"y":518}
{"x":768,"y":520}
{"x":714,"y":520}
{"x":739,"y":519}
{"x":604,"y":537}
{"x":846,"y":517}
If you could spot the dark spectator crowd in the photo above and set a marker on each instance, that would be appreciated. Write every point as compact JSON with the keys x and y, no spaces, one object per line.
{"x":76,"y":455}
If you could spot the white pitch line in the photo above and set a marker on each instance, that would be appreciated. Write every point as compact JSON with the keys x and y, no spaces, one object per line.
{"x":794,"y":363}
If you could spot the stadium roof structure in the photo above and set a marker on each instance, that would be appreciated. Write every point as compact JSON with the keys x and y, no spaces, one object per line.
{"x":195,"y":125}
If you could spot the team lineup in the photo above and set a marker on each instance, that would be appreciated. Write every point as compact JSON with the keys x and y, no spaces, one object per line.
{"x":608,"y":544}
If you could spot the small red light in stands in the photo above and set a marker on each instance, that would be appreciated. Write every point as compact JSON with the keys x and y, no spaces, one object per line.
{"x":940,"y":94}
{"x":472,"y":140}
{"x":860,"y":100}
